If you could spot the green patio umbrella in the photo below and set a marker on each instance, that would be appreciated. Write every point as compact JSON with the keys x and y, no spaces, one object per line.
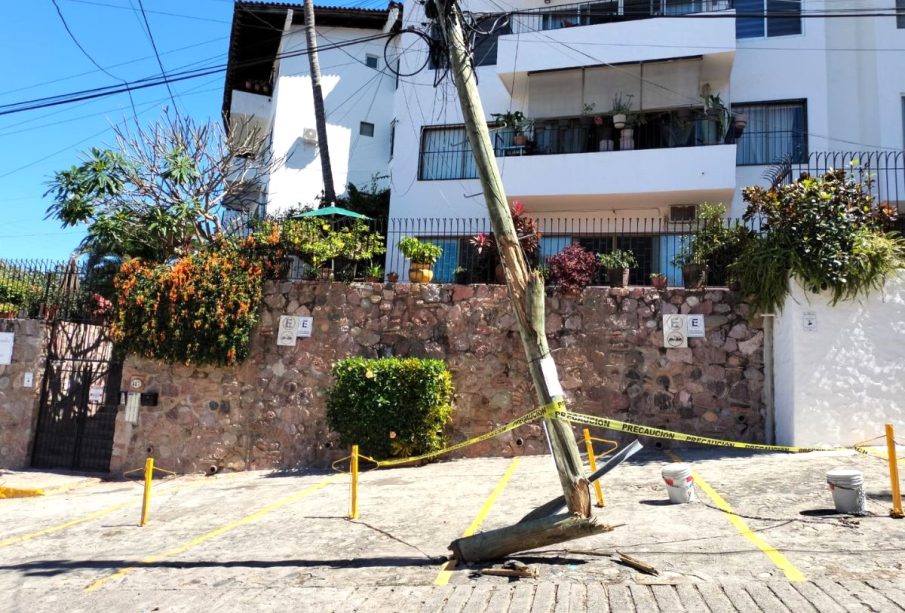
{"x":333,"y":211}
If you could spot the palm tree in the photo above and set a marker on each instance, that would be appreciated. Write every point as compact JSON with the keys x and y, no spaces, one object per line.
{"x":319,"y":115}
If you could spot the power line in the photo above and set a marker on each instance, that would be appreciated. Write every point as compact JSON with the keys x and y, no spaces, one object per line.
{"x":88,"y":55}
{"x":144,"y":17}
{"x":149,"y":106}
{"x":154,"y":12}
{"x":157,"y":80}
{"x":126,"y":63}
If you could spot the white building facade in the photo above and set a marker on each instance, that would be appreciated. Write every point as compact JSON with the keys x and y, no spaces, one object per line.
{"x":793,"y":76}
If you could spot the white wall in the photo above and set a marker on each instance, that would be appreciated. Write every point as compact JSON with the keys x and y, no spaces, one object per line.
{"x":839,"y":384}
{"x":353,"y":93}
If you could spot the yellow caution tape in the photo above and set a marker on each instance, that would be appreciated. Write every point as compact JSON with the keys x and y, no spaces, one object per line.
{"x":557,"y":409}
{"x":549,"y":410}
{"x":621,"y":426}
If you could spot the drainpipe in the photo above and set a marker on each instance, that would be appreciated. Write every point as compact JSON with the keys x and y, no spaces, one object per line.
{"x":769,"y":405}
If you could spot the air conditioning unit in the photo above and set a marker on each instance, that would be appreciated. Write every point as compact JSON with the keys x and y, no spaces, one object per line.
{"x":683,"y":213}
{"x":309,"y":135}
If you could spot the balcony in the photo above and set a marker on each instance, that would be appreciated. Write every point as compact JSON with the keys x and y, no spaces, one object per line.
{"x":594,"y":13}
{"x":573,"y":163}
{"x":611,"y":33}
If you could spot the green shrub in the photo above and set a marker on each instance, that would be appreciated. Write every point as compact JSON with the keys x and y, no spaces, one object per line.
{"x":824,"y":231}
{"x":391,"y":407}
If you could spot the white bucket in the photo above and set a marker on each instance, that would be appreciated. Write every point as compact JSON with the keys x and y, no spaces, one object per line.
{"x":847,"y":485}
{"x":679,"y":482}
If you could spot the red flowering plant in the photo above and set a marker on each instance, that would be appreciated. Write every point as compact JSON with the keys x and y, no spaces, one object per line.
{"x":525,"y":229}
{"x":100,"y":306}
{"x":572,"y":269}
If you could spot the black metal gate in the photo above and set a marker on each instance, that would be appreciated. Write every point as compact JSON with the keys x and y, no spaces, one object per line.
{"x":79,"y":400}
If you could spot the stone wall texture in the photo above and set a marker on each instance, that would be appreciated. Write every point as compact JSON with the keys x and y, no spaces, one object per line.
{"x":19,"y":404}
{"x":607,"y":344}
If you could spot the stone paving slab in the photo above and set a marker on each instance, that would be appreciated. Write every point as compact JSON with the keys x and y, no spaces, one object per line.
{"x":542,"y":597}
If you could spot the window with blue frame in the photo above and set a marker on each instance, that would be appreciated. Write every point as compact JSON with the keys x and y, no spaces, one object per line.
{"x":760,"y":18}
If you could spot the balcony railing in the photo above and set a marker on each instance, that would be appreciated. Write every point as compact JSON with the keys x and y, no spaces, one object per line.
{"x":661,"y":130}
{"x":447,"y":154}
{"x":593,"y":13}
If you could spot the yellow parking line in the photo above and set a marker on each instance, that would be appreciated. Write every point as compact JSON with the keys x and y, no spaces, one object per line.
{"x":782,"y":562}
{"x":74,"y":522}
{"x":217,"y":532}
{"x":81,"y":520}
{"x":446,"y":571}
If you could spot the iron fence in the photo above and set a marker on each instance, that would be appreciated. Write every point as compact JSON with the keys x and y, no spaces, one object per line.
{"x":74,"y":291}
{"x":446,"y":154}
{"x":592,"y":13}
{"x":656,"y":243}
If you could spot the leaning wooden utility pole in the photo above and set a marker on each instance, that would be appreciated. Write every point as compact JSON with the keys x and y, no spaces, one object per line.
{"x":320,"y":117}
{"x":526,"y":287}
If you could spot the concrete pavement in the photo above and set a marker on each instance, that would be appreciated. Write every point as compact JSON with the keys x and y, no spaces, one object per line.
{"x":256,"y":541}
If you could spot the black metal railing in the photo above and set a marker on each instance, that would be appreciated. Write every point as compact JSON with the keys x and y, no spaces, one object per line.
{"x":446,"y":154}
{"x":882,"y":173}
{"x":655,"y":243}
{"x":661,"y":130}
{"x":593,"y":13}
{"x":75,"y":291}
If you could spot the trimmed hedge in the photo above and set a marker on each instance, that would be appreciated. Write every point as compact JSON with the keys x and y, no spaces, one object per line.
{"x":391,"y":407}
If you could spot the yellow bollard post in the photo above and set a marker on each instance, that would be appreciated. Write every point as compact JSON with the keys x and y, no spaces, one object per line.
{"x":146,"y":501}
{"x":593,"y":462}
{"x":896,"y":511}
{"x":354,"y":467}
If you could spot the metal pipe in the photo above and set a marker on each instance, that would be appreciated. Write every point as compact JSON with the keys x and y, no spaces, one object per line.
{"x":146,"y":501}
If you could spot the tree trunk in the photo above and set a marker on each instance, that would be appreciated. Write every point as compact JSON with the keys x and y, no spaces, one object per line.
{"x":526,"y":288}
{"x":319,"y":114}
{"x":497,"y":544}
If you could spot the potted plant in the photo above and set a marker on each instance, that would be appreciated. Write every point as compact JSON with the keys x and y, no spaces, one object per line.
{"x":694,"y":269}
{"x":715,"y":110}
{"x":7,"y":310}
{"x":374,"y":273}
{"x":739,"y":122}
{"x":658,"y":280}
{"x":392,"y":277}
{"x":622,"y":106}
{"x":572,"y":269}
{"x":617,"y":264}
{"x":422,"y":256}
{"x":528,"y":235}
{"x":517,"y":123}
{"x":460,"y":274}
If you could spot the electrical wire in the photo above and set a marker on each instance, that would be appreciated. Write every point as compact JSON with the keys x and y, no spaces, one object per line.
{"x":157,"y":80}
{"x":144,"y":18}
{"x":90,"y":58}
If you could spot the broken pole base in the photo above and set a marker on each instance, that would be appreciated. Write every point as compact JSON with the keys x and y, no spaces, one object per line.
{"x":497,"y":544}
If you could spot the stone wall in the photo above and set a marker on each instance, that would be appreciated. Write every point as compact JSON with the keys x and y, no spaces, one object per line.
{"x":607,"y":343}
{"x":18,"y":403}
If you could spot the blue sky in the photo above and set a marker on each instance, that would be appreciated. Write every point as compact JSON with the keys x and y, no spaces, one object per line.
{"x":41,"y":60}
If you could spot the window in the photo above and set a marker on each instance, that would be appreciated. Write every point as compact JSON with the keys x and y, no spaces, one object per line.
{"x":900,"y":14}
{"x":782,"y":18}
{"x":485,"y":44}
{"x":366,"y":129}
{"x":371,"y":61}
{"x":445,"y":267}
{"x":775,"y":130}
{"x":446,"y":154}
